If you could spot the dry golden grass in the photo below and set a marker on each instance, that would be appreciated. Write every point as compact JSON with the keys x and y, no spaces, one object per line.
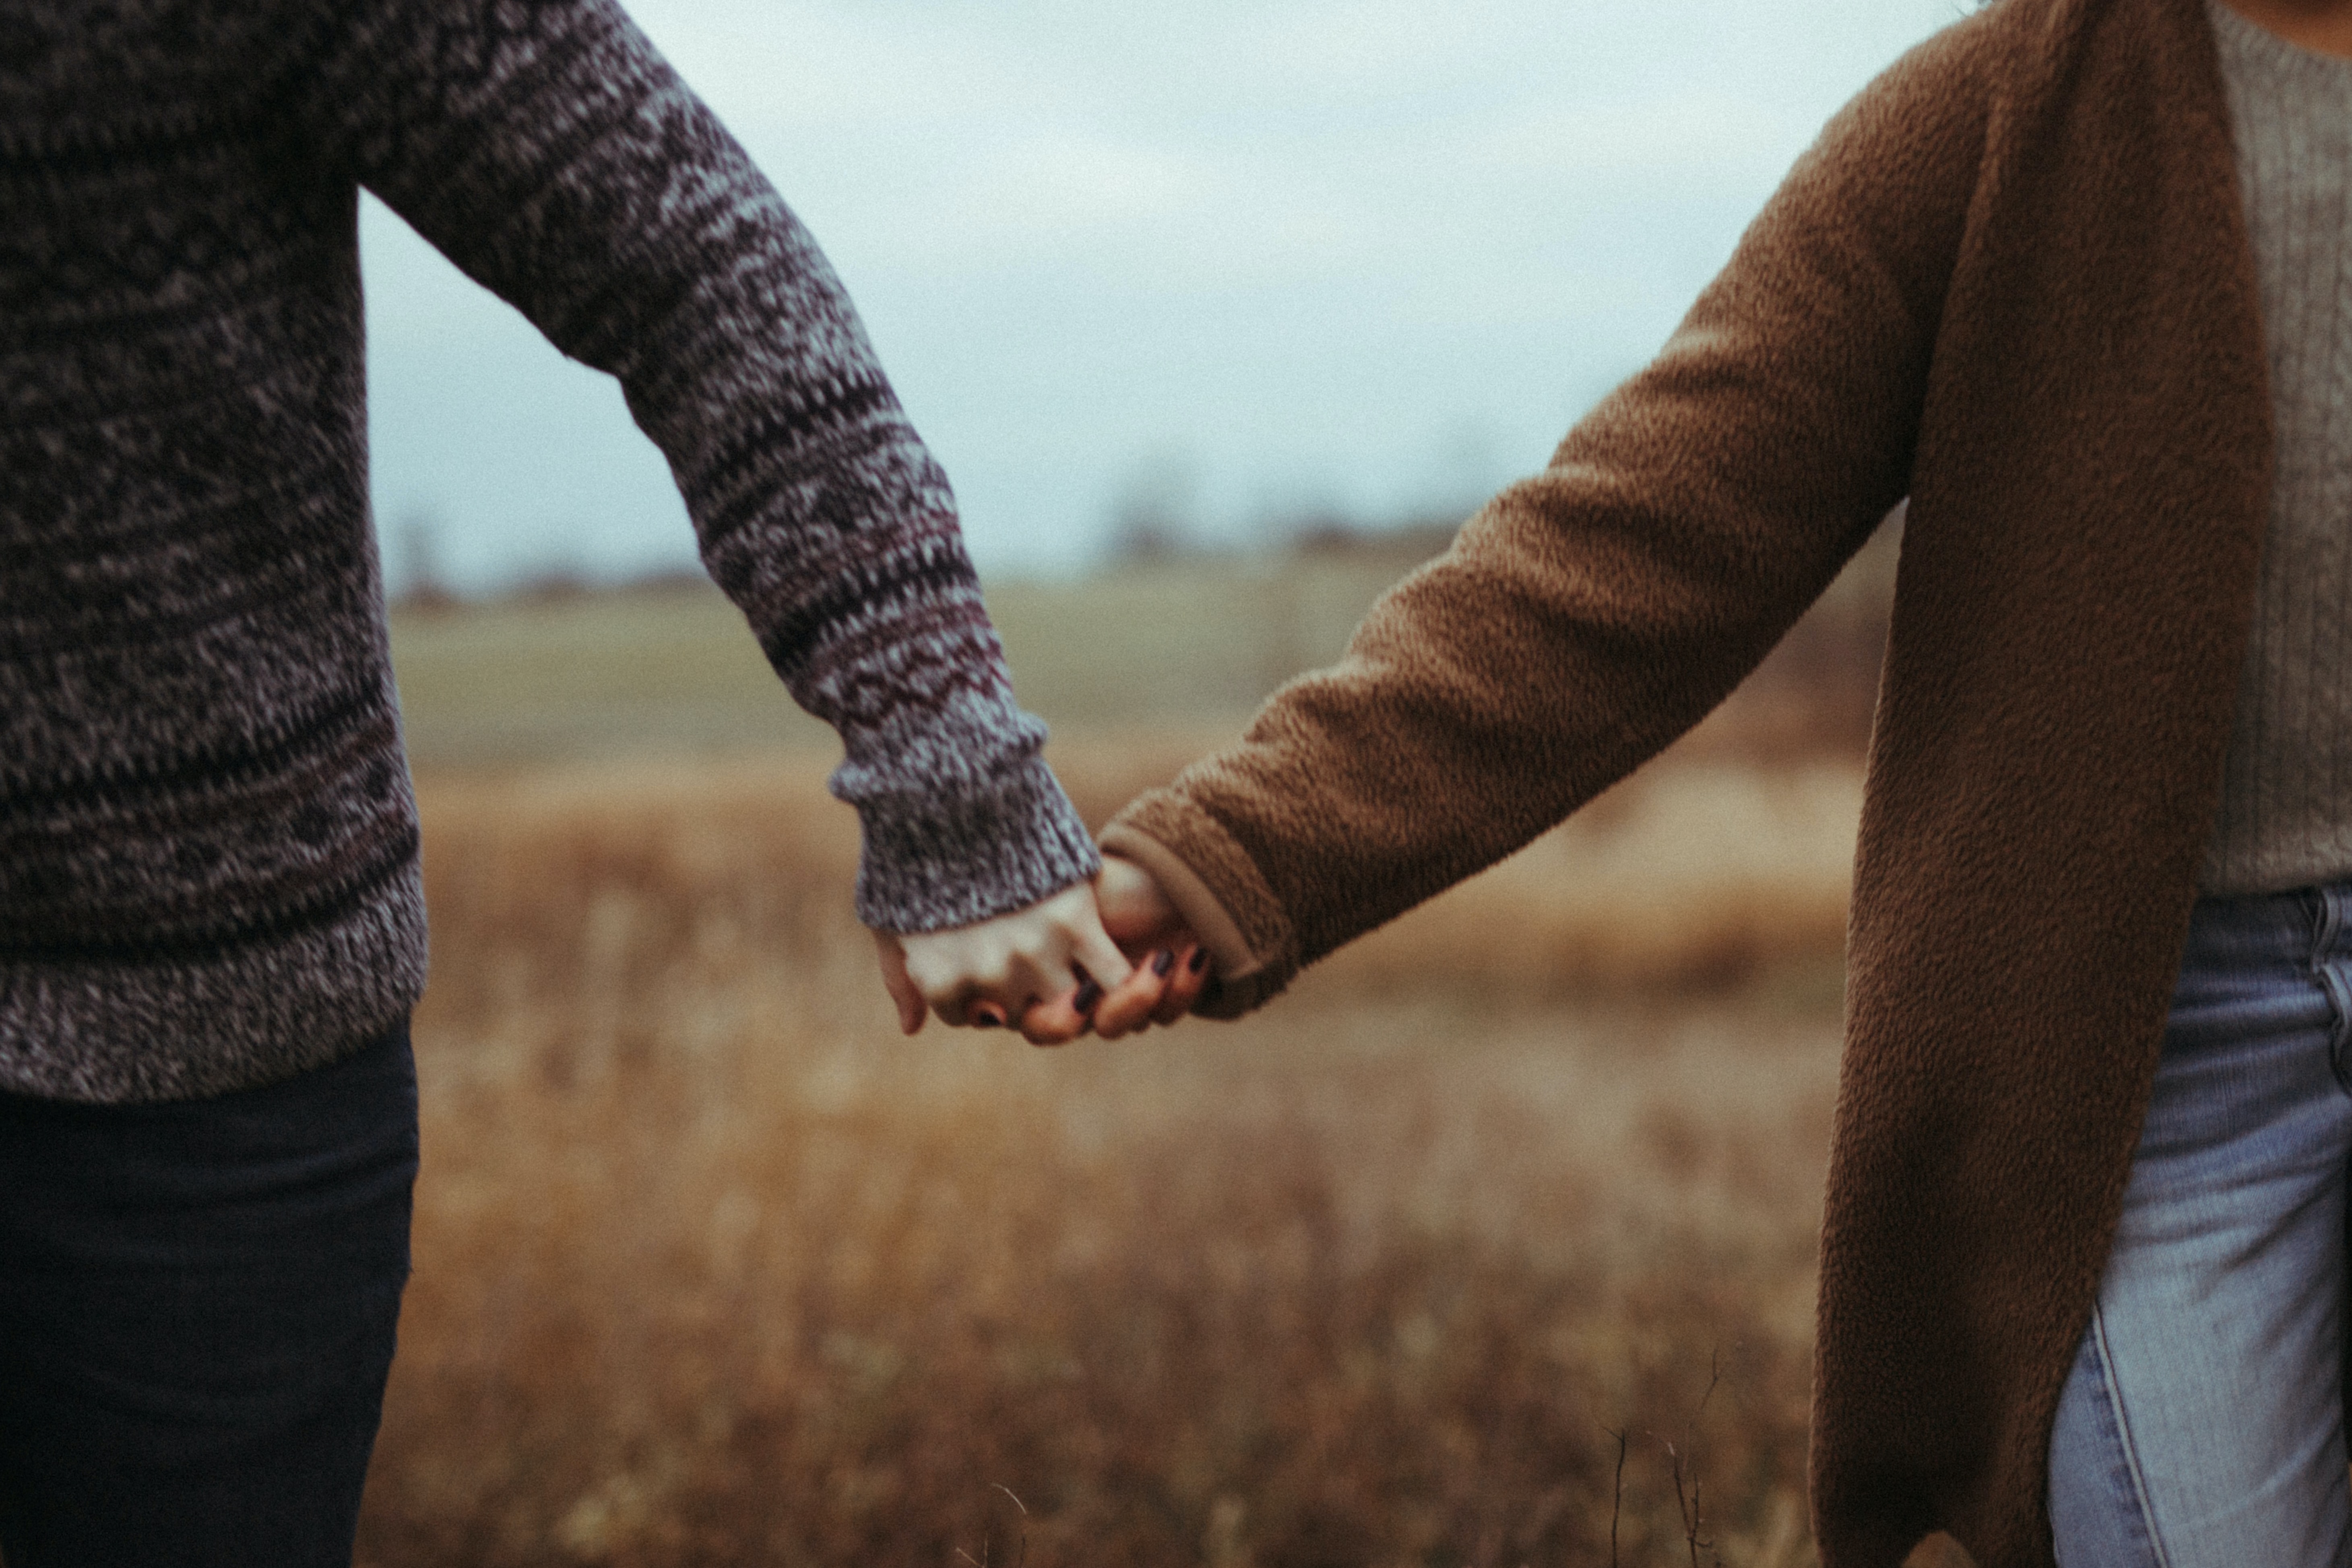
{"x":713,"y":1267}
{"x":1492,"y":1243}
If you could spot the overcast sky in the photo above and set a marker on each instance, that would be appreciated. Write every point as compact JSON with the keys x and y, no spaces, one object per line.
{"x":1253,"y":258}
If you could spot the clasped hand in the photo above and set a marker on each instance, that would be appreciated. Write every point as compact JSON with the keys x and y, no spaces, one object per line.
{"x":1113,"y":956}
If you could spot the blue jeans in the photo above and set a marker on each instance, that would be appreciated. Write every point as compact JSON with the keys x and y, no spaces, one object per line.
{"x":2202,"y":1424}
{"x":197,"y":1303}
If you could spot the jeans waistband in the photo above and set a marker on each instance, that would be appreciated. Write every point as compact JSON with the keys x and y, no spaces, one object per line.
{"x":2300,"y":926}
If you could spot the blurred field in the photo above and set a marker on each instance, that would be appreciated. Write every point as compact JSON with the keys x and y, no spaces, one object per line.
{"x":657,"y":672}
{"x":1194,"y":645}
{"x":1492,"y":1243}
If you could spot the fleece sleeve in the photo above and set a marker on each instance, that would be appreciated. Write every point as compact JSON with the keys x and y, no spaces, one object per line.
{"x":1591,"y":614}
{"x":550,"y":152}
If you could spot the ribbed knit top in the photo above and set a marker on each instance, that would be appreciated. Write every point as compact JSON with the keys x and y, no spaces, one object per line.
{"x":208,"y":845}
{"x":2286,"y":803}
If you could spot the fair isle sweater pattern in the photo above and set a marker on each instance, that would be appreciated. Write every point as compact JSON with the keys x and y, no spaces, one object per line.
{"x":208,"y":843}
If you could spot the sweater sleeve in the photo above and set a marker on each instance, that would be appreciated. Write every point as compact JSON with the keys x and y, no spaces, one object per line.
{"x":1588,"y":616}
{"x":548,"y":150}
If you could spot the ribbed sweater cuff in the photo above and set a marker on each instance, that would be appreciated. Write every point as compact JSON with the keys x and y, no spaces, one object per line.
{"x":933,"y":862}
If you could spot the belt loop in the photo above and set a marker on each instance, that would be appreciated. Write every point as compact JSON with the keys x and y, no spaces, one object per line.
{"x":2327,"y":921}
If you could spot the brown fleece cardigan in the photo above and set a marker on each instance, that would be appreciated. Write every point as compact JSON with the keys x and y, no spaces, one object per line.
{"x":2012,"y":281}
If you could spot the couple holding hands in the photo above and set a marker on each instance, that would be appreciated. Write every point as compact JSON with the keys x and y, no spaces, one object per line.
{"x":2066,"y":277}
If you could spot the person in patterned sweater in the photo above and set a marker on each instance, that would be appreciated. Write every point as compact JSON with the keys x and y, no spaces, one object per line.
{"x":211,"y":920}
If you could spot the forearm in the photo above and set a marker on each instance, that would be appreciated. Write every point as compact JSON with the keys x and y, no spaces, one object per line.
{"x":555,"y":157}
{"x":1593,"y":612}
{"x":1479,"y":704}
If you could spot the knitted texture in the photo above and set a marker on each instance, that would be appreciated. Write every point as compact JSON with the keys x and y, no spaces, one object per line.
{"x":209,"y":876}
{"x":2287,"y":793}
{"x":2012,"y":283}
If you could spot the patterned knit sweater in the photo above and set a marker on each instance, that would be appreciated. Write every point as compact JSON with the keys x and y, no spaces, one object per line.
{"x":209,"y":876}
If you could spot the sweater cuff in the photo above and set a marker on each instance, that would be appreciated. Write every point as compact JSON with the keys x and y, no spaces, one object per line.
{"x":933,"y":862}
{"x":1218,"y":889}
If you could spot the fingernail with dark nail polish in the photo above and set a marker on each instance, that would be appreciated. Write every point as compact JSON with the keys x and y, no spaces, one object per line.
{"x":988,"y":1021}
{"x":1163,"y":961}
{"x":1088,"y":995}
{"x":1200,"y":960}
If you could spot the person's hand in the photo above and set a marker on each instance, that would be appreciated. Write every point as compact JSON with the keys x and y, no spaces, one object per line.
{"x":1041,"y":969}
{"x":1172,"y":967}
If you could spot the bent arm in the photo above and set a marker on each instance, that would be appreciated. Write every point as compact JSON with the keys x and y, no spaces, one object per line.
{"x":1588,"y":616}
{"x":547,"y":149}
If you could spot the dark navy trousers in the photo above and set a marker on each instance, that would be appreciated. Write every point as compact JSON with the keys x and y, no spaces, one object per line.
{"x":197,"y":1306}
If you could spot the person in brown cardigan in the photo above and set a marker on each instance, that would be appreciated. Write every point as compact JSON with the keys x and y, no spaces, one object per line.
{"x":2015,"y":281}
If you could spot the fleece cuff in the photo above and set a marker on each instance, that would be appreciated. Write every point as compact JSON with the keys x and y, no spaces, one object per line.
{"x":1218,"y":889}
